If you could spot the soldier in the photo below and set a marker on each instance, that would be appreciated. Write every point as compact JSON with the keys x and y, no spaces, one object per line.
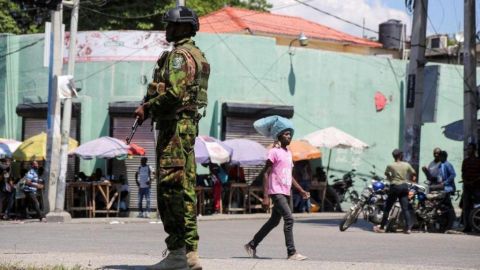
{"x":173,"y":100}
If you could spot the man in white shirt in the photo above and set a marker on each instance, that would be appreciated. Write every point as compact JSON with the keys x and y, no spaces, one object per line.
{"x":143,"y":178}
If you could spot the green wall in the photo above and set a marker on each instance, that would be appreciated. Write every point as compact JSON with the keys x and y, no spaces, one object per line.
{"x":325,"y":88}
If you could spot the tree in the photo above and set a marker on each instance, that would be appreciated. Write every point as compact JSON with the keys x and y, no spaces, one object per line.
{"x":23,"y":17}
{"x":20,"y":17}
{"x":147,"y":15}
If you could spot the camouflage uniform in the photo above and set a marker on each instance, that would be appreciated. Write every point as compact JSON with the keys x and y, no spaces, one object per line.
{"x":178,"y":90}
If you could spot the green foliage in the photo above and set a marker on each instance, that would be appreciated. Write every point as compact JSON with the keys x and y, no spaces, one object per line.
{"x":147,"y":15}
{"x":22,"y":17}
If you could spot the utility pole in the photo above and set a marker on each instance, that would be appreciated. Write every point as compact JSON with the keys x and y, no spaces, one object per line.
{"x":413,"y":112}
{"x":470,"y":92}
{"x":53,"y":120}
{"x":67,"y":115}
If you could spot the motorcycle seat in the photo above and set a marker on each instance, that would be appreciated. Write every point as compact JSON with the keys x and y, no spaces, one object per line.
{"x":436,"y":195}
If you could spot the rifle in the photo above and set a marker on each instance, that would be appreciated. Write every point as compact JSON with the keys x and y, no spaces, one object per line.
{"x":134,"y":129}
{"x":137,"y":122}
{"x":153,"y":91}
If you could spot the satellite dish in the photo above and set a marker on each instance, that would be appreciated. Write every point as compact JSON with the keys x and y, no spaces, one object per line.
{"x":459,"y":37}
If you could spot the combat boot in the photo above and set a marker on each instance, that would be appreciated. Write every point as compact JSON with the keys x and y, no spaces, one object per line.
{"x":175,"y":260}
{"x":193,"y":260}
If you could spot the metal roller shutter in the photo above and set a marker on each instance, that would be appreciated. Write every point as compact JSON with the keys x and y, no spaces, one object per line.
{"x":33,"y":126}
{"x":144,"y":137}
{"x":242,"y":128}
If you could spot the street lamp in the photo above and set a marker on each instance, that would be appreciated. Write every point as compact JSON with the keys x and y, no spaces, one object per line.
{"x":302,"y":39}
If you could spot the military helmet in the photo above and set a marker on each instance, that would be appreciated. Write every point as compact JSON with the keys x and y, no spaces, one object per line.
{"x":182,"y":15}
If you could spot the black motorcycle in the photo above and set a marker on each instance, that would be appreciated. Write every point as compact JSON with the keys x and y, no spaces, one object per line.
{"x":344,"y":188}
{"x":430,"y":212}
{"x":371,"y":203}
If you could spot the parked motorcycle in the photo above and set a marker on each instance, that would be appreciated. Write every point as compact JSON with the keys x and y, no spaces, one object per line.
{"x":430,"y":212}
{"x":371,"y":203}
{"x":344,"y":187}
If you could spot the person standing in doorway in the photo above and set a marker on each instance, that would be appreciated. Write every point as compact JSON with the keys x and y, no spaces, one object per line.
{"x":143,"y":178}
{"x":277,"y":183}
{"x":174,"y":98}
{"x":398,"y":173}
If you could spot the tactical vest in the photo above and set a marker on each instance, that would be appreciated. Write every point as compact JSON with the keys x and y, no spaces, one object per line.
{"x":196,"y":96}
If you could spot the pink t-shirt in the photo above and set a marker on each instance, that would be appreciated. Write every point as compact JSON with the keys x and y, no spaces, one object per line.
{"x":280,"y":178}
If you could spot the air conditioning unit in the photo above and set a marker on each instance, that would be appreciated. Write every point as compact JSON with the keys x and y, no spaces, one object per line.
{"x":437,"y":42}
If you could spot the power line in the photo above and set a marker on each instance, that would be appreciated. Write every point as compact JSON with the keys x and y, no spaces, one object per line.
{"x":157,"y":13}
{"x":21,"y":48}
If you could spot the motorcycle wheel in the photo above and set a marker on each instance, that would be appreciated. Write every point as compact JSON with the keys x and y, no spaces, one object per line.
{"x":350,"y":218}
{"x":475,"y":219}
{"x":393,"y":219}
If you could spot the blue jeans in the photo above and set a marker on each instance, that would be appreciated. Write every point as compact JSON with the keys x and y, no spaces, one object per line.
{"x":144,"y":193}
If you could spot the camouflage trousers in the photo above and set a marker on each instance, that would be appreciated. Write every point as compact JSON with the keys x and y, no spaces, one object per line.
{"x":176,"y":181}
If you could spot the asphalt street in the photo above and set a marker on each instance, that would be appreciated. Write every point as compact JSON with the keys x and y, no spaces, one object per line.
{"x":135,"y":243}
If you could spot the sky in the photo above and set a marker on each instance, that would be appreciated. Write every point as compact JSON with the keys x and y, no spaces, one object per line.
{"x":445,"y":16}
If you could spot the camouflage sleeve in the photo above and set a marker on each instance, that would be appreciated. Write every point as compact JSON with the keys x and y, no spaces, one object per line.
{"x":181,"y":71}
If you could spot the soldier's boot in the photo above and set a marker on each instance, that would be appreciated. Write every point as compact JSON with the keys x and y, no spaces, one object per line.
{"x":175,"y":260}
{"x":193,"y":260}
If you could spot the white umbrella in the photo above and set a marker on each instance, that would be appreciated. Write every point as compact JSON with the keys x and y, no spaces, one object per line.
{"x":7,"y":147}
{"x":332,"y":137}
{"x":104,"y":147}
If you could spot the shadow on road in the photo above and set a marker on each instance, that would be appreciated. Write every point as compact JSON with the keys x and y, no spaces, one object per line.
{"x":125,"y":267}
{"x":334,"y":222}
{"x":258,"y":258}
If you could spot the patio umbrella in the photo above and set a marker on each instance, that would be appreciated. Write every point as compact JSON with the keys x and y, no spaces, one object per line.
{"x":332,"y":137}
{"x":246,"y":152}
{"x":103,"y":147}
{"x":7,"y":147}
{"x":208,"y":149}
{"x":35,"y":148}
{"x":302,"y":150}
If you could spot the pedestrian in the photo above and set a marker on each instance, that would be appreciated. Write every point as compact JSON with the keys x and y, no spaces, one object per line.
{"x":398,"y":174}
{"x":471,"y":184}
{"x":446,"y":176}
{"x":277,"y":183}
{"x":173,"y":100}
{"x":432,"y":170}
{"x":33,"y":183}
{"x":219,"y":177}
{"x":143,"y":178}
{"x":7,"y":188}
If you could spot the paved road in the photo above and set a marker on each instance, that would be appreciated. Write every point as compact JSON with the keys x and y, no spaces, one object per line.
{"x":131,"y":245}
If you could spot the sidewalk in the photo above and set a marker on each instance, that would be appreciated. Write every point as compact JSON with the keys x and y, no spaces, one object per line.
{"x":140,"y":262}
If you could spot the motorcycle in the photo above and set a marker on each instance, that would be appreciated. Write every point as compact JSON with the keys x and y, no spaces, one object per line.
{"x":475,"y":217}
{"x":430,"y":212}
{"x":371,"y":203}
{"x":344,"y":187}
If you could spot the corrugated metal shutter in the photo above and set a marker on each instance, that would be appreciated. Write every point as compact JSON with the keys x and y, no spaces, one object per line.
{"x":242,"y":128}
{"x":144,"y":137}
{"x":33,"y":126}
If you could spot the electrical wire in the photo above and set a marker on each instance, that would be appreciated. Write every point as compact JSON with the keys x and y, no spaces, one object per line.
{"x":21,"y":48}
{"x":157,"y":13}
